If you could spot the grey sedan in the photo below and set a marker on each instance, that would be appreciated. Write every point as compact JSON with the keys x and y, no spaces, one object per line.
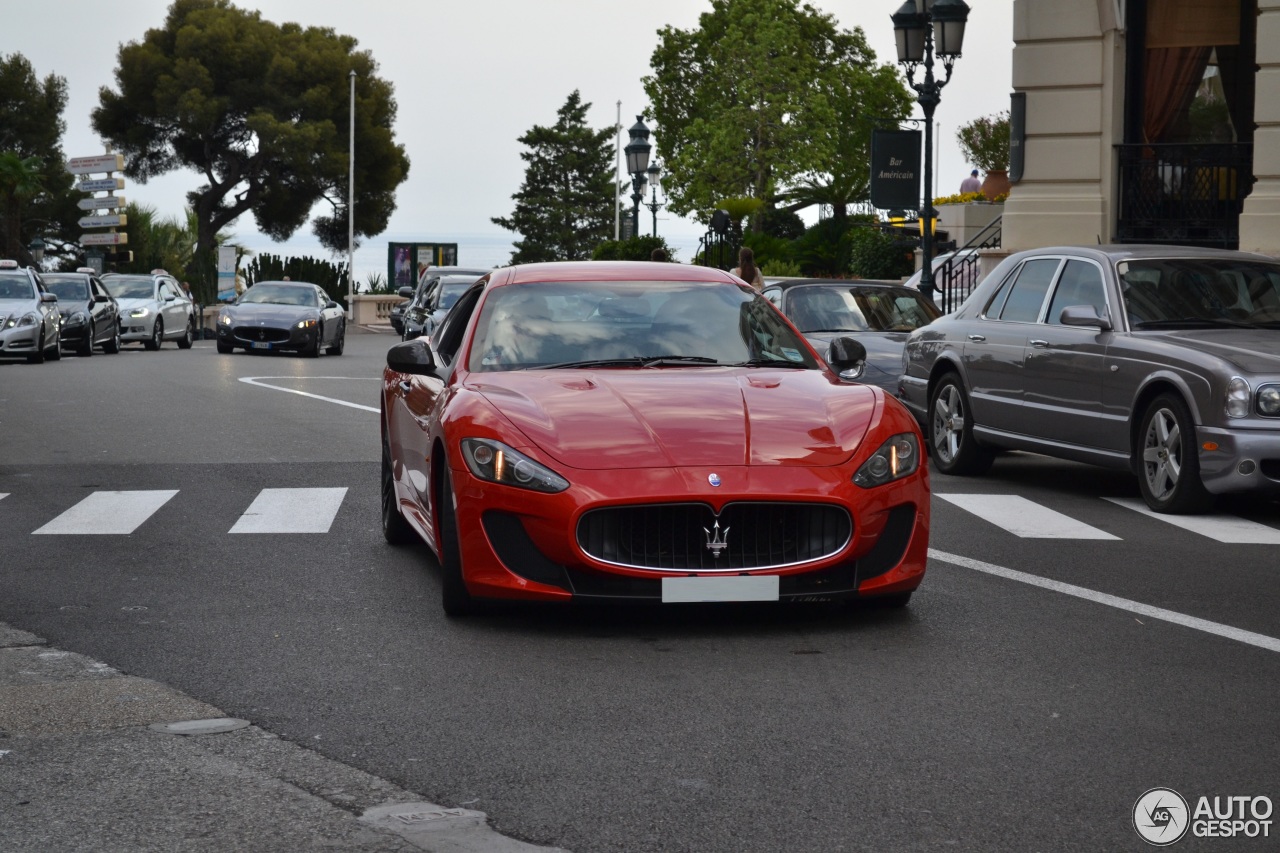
{"x":283,"y":315}
{"x":1162,"y":360}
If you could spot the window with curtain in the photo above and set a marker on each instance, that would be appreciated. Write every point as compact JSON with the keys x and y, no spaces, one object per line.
{"x":1181,"y":102}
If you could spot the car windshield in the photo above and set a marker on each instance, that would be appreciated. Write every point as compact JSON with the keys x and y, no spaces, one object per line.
{"x":631,"y":324}
{"x":1172,"y":292}
{"x":841,"y":308}
{"x":450,"y":291}
{"x":130,"y":286}
{"x":16,"y":286}
{"x":67,"y":289}
{"x":280,"y":294}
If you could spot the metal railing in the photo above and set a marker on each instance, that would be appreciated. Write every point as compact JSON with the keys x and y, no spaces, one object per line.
{"x":955,"y":278}
{"x":1189,"y":194}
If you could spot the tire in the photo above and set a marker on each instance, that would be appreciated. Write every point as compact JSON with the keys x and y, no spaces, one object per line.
{"x":225,"y":348}
{"x":112,"y":346}
{"x":394,"y":528}
{"x":37,"y":357}
{"x":314,"y":352}
{"x":55,"y":354}
{"x":949,"y":428}
{"x":189,"y":337}
{"x":454,"y":596}
{"x":86,"y":347}
{"x":1168,"y":461}
{"x":157,"y":335}
{"x":340,"y":342}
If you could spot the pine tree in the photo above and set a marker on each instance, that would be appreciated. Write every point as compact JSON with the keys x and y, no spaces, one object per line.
{"x":565,"y":207}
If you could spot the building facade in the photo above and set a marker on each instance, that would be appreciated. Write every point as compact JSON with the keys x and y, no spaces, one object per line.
{"x":1154,"y":121}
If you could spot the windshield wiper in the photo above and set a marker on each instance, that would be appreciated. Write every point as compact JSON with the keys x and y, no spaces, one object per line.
{"x":770,"y":362}
{"x":826,"y":331}
{"x":1193,"y":321}
{"x":631,"y":361}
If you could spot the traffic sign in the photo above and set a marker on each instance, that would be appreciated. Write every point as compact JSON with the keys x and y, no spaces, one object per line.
{"x":109,"y":185}
{"x":99,"y":163}
{"x":113,"y":220}
{"x":109,"y":239}
{"x":105,"y":202}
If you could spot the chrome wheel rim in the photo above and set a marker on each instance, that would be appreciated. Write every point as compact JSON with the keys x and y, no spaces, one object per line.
{"x":948,"y":423}
{"x":1162,"y":454}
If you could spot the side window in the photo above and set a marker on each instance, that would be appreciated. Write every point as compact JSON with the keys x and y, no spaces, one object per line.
{"x":448,"y":337}
{"x":774,"y":295}
{"x":1029,"y":288}
{"x":165,"y":290}
{"x":1079,"y":284}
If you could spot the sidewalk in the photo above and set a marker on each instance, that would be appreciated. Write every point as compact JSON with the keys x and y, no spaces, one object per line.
{"x":92,"y":759}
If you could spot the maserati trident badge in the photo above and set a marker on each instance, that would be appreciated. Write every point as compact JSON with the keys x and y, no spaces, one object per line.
{"x":714,"y":479}
{"x":717,"y":541}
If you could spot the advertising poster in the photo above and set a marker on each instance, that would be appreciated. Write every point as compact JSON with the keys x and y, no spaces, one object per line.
{"x":226,"y":273}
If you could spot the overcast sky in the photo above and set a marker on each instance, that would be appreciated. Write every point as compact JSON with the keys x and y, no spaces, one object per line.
{"x":471,"y":76}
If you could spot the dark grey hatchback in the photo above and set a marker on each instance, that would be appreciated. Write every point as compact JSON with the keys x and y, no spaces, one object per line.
{"x":1163,"y":360}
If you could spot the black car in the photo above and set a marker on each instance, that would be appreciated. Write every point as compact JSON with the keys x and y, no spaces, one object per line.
{"x":90,"y":315}
{"x":879,"y":316}
{"x":283,"y":315}
{"x":397,"y":314}
{"x":433,"y":297}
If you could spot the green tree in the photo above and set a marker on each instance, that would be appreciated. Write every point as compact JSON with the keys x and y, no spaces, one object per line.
{"x":565,"y":206}
{"x":758,"y":99}
{"x":38,"y":198}
{"x":259,"y":110}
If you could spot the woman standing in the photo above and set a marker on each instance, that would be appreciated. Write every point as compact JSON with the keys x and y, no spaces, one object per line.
{"x":747,"y":269}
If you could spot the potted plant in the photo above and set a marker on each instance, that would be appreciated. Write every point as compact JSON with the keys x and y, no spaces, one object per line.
{"x":985,"y":142}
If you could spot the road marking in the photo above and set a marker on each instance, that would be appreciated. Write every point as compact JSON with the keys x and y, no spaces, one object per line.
{"x":256,"y":381}
{"x":291,"y":511}
{"x":1262,"y":641}
{"x":1024,"y":518}
{"x":3,"y":495}
{"x":1220,"y":528}
{"x":109,"y":513}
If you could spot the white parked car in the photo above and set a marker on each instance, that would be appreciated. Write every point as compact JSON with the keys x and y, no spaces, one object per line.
{"x":153,"y":309}
{"x":30,"y":324}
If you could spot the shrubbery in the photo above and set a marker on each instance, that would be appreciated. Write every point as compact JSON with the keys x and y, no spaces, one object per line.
{"x":330,"y":276}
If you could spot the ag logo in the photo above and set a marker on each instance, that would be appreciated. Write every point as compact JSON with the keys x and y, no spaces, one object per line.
{"x":1160,"y":816}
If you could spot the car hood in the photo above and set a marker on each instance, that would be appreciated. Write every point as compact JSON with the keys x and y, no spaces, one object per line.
{"x":129,"y":303}
{"x":682,"y":417}
{"x":1251,"y":350}
{"x":268,"y":314}
{"x":18,"y":306}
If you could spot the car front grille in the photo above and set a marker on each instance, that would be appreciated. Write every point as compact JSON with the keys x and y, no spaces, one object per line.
{"x":684,"y":537}
{"x":261,"y":333}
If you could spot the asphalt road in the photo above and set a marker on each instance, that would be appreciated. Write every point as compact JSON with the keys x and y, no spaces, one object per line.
{"x":1014,"y":705}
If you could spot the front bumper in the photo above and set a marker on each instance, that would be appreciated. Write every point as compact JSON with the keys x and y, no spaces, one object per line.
{"x":1246,"y":460}
{"x":268,"y":338}
{"x":19,"y":339}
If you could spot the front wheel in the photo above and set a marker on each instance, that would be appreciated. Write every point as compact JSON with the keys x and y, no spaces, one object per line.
{"x":157,"y":336}
{"x":950,"y":431}
{"x":111,"y":346}
{"x":38,"y":355}
{"x":314,"y":351}
{"x":86,"y":346}
{"x":55,"y":354}
{"x":1169,"y":465}
{"x":454,"y":596}
{"x":225,"y":348}
{"x":394,"y":528}
{"x":340,"y":342}
{"x":189,"y":337}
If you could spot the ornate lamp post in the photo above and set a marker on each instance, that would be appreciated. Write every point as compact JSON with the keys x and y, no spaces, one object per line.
{"x":637,"y":152}
{"x":36,"y":249}
{"x":654,"y":205}
{"x":924,"y":28}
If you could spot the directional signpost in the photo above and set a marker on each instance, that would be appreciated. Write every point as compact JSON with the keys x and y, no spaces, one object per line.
{"x":102,"y":164}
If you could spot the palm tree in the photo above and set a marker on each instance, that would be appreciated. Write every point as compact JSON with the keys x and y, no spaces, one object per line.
{"x":20,"y":182}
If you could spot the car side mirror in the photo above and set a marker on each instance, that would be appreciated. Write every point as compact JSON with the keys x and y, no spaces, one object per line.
{"x":848,"y":358}
{"x":48,"y":297}
{"x":170,"y":298}
{"x":1083,"y":315}
{"x":413,"y":357}
{"x":100,"y":298}
{"x":332,"y":304}
{"x":406,"y":292}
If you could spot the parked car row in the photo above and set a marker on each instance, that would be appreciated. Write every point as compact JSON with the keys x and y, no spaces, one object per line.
{"x":43,"y":313}
{"x":431,"y":299}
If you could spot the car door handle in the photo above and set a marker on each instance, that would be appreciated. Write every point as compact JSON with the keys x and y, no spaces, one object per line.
{"x":405,"y":387}
{"x":1038,"y":344}
{"x":977,"y":339}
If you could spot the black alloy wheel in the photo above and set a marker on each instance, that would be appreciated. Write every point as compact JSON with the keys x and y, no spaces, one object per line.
{"x":157,"y":335}
{"x":1169,"y":460}
{"x":339,"y":342}
{"x":225,"y":348}
{"x":394,"y":528}
{"x":314,"y":351}
{"x":950,"y":431}
{"x":189,"y":336}
{"x":86,"y":346}
{"x":111,"y":345}
{"x":454,"y":596}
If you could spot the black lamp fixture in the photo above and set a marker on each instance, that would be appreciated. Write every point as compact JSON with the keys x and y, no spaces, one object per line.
{"x":925,"y":28}
{"x":37,"y":248}
{"x":637,"y":152}
{"x":654,"y":205}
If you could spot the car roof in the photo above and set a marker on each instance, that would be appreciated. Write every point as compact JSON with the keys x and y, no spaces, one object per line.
{"x":837,"y":282}
{"x":1115,"y":252}
{"x":614,"y":271}
{"x":286,"y":283}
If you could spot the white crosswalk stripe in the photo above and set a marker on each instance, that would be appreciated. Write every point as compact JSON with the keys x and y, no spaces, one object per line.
{"x":1220,"y":528}
{"x":291,"y":511}
{"x":1024,"y":518}
{"x":109,"y":513}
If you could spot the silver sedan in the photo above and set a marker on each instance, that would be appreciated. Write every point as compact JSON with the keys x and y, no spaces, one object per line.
{"x":30,"y":325}
{"x":1163,"y":360}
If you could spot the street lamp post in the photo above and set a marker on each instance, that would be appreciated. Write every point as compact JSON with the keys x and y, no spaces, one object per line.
{"x":637,"y":152}
{"x":36,"y":249}
{"x":924,"y":28}
{"x":654,"y":205}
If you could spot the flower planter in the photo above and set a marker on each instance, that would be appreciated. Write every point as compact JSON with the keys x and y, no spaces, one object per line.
{"x":962,"y":222}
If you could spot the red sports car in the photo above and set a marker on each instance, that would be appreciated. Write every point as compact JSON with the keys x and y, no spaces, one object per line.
{"x":645,"y":432}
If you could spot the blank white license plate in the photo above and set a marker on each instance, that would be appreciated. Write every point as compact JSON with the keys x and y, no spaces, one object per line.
{"x":262,"y":345}
{"x":736,"y":588}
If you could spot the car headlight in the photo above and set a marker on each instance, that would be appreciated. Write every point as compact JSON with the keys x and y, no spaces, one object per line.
{"x":29,"y":319}
{"x":224,"y":319}
{"x":139,"y":312}
{"x":1237,"y":398}
{"x":77,"y":319}
{"x":1269,"y":401}
{"x":306,"y":324}
{"x":896,"y":458}
{"x":494,"y":462}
